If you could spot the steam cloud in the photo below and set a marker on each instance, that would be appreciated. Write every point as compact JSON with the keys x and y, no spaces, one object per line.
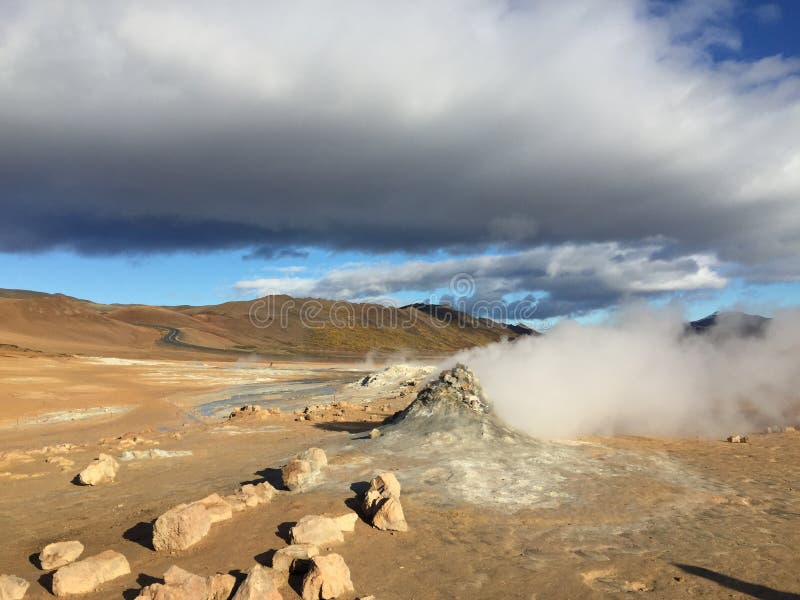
{"x":640,"y":374}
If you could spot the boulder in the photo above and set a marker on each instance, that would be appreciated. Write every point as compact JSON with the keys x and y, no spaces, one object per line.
{"x":255,"y":494}
{"x":103,"y":469}
{"x":316,"y":530}
{"x":12,"y":587}
{"x":259,"y":585}
{"x":182,"y":585}
{"x":181,"y":527}
{"x":298,"y":474}
{"x":327,"y":578}
{"x":90,"y":573}
{"x":315,"y":456}
{"x":217,"y":508}
{"x":382,"y":503}
{"x":58,"y":554}
{"x":347,"y":522}
{"x":382,"y":487}
{"x":389,"y":516}
{"x":236,"y":502}
{"x":302,"y":470}
{"x":294,"y":558}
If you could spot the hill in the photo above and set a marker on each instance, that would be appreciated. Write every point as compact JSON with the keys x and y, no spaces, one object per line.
{"x":279,"y":326}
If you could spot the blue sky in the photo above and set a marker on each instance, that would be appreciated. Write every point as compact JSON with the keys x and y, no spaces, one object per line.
{"x":596,"y":155}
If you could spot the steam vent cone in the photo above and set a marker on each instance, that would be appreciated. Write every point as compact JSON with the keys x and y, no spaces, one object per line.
{"x":454,"y":398}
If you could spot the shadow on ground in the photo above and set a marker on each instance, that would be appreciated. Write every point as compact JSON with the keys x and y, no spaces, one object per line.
{"x":349,"y":426}
{"x":755,"y":590}
{"x":143,"y":580}
{"x":271,"y":476}
{"x":142,"y":534}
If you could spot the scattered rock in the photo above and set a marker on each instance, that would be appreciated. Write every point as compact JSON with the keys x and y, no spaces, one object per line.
{"x":217,"y":508}
{"x":737,"y":439}
{"x":375,"y":433}
{"x":181,"y":527}
{"x":90,"y":573}
{"x":347,"y":522}
{"x":259,"y":585}
{"x":182,"y":585}
{"x":316,"y":530}
{"x":103,"y":469}
{"x":294,"y":558}
{"x":382,"y":503}
{"x":12,"y":587}
{"x":58,"y":554}
{"x":327,"y":578}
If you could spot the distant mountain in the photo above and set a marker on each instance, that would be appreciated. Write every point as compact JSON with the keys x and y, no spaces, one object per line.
{"x":279,"y":326}
{"x":449,"y":314}
{"x":730,"y":323}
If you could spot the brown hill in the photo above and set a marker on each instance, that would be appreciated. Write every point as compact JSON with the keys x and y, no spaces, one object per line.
{"x":278,"y":326}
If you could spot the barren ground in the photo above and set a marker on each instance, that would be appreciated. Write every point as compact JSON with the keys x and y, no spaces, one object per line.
{"x":662,"y":518}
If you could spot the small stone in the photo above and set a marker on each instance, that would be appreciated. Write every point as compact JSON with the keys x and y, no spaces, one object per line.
{"x":181,"y":527}
{"x":90,"y":573}
{"x":375,"y":433}
{"x":316,"y":530}
{"x":327,"y":578}
{"x":347,"y":522}
{"x":293,"y":558}
{"x":58,"y":554}
{"x":737,"y":439}
{"x":103,"y":469}
{"x":259,"y":585}
{"x":12,"y":587}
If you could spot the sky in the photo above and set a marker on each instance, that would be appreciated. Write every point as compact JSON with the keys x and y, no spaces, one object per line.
{"x":557,"y":157}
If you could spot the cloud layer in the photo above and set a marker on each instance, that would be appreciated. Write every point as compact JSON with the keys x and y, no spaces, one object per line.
{"x":376,"y":126}
{"x":578,"y":279}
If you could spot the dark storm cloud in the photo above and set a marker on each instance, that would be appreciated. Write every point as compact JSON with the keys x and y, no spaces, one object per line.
{"x":383,"y":127}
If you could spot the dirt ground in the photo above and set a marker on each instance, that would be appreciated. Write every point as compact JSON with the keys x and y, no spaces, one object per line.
{"x":725,"y":523}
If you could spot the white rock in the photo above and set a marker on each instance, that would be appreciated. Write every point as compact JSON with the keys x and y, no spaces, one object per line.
{"x":217,"y":508}
{"x":259,"y":585}
{"x":103,"y":469}
{"x":90,"y":573}
{"x":389,"y":516}
{"x":12,"y":587}
{"x":183,"y":585}
{"x":58,"y":554}
{"x":181,"y":527}
{"x":347,"y":522}
{"x":316,"y":530}
{"x":293,"y":558}
{"x":327,"y":578}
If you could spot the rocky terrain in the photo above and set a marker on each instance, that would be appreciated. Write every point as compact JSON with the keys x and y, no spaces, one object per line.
{"x":404,"y":484}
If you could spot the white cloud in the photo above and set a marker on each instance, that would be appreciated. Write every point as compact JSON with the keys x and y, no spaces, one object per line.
{"x":569,"y":274}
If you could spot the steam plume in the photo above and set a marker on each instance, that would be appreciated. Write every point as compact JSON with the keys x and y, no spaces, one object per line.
{"x":641,"y":374}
